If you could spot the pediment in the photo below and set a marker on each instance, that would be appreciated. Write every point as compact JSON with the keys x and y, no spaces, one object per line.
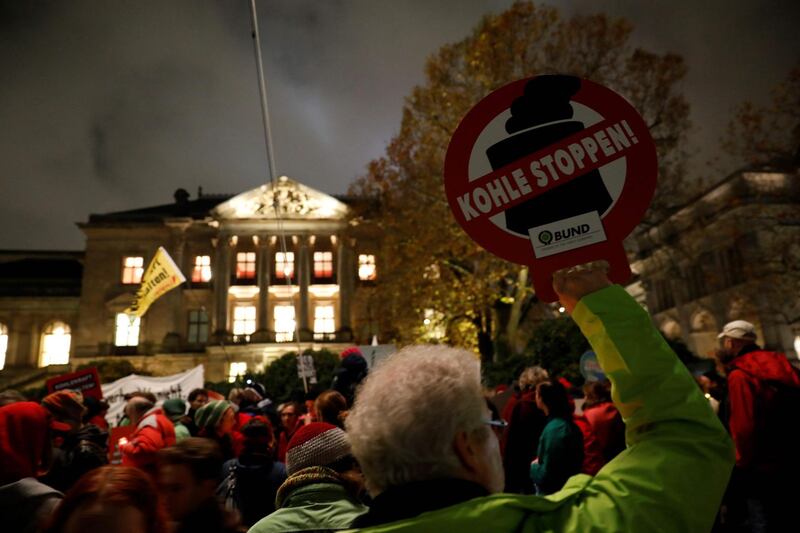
{"x":294,"y":200}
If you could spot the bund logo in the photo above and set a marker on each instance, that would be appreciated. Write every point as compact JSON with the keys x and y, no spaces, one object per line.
{"x":545,"y":237}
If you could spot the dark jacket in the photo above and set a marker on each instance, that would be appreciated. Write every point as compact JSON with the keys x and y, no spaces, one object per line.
{"x":256,"y":481}
{"x":560,"y":455}
{"x":756,"y":424}
{"x":525,"y":425}
{"x":82,"y":451}
{"x":413,"y":499}
{"x":210,"y":517}
{"x":26,"y":505}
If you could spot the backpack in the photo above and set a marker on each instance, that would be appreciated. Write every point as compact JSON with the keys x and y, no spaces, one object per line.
{"x":777,"y":406}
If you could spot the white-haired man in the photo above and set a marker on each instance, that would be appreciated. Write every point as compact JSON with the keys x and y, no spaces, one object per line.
{"x":433,"y":473}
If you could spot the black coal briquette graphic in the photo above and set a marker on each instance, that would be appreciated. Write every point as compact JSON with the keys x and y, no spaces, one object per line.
{"x":539,"y":118}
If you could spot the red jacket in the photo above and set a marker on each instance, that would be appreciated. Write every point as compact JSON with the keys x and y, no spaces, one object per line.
{"x":608,"y":427}
{"x":593,"y":459}
{"x":154,"y":431}
{"x":750,"y":400}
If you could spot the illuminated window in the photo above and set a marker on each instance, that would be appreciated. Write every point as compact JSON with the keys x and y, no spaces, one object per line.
{"x":55,"y":344}
{"x":126,"y":331}
{"x":3,"y":345}
{"x":246,"y":265}
{"x":323,"y":321}
{"x":198,"y":327}
{"x":132,"y":269}
{"x":366,"y":267}
{"x":236,"y":371}
{"x":284,"y":323}
{"x":323,"y":264}
{"x":201,"y":273}
{"x":284,"y":265}
{"x":244,"y":321}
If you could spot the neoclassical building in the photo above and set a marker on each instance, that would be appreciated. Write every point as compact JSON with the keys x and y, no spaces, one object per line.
{"x":731,"y":253}
{"x":260,"y":282}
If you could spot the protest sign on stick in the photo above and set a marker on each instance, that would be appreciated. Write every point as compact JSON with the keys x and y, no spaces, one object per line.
{"x":552,"y":172}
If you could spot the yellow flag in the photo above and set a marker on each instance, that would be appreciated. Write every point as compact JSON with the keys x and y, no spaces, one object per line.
{"x":162,"y":275}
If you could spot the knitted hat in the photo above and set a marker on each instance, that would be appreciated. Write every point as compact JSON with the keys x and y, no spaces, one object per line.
{"x":174,"y":408}
{"x":353,"y":350}
{"x":210,"y":415}
{"x":316,"y":444}
{"x":65,"y":406}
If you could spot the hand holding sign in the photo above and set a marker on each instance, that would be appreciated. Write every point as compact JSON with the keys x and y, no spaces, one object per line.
{"x":552,"y":172}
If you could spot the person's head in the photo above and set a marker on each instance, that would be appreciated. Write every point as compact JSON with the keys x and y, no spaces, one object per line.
{"x":147,"y":395}
{"x":110,"y":498}
{"x":596,"y":392}
{"x":734,"y":337}
{"x":552,"y":398}
{"x":10,"y":396}
{"x":136,"y":408}
{"x":290,"y":414}
{"x":174,"y":408}
{"x":66,"y":406}
{"x":531,"y":377}
{"x":259,"y":439}
{"x":25,"y":441}
{"x":420,"y":416}
{"x":215,"y":418}
{"x":331,"y":407}
{"x":235,"y":396}
{"x":188,"y":475}
{"x":197,"y":399}
{"x":94,"y":407}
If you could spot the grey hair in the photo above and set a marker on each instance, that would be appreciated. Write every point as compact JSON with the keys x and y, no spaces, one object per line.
{"x":408,"y":412}
{"x":532,"y":376}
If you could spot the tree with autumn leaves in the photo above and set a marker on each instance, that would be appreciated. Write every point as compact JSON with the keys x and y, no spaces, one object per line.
{"x":436,"y":283}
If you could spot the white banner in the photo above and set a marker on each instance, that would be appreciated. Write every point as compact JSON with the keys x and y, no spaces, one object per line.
{"x":164,"y":387}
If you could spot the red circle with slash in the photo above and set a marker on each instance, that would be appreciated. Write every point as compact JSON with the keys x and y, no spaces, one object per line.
{"x":564,"y":181}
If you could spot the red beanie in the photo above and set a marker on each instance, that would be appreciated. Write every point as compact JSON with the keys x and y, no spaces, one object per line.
{"x":23,"y":440}
{"x":353,"y":350}
{"x":316,"y":444}
{"x":65,"y":406}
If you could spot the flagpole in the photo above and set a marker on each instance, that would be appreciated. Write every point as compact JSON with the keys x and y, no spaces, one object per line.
{"x":262,"y":89}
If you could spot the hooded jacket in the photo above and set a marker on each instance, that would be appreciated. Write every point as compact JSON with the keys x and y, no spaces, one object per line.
{"x":670,"y":478}
{"x":312,"y":499}
{"x":24,"y":502}
{"x":752,"y":393}
{"x":154,"y":432}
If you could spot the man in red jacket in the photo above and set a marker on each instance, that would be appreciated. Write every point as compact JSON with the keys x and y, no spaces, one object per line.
{"x":154,"y":431}
{"x":761,"y":389}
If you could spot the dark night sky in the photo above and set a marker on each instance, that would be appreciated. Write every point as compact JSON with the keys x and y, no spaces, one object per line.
{"x":111,"y":105}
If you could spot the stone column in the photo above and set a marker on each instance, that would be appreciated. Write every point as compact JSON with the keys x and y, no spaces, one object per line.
{"x":221,"y":277}
{"x":173,"y":339}
{"x":345,"y":275}
{"x":303,"y":280}
{"x":263,"y":268}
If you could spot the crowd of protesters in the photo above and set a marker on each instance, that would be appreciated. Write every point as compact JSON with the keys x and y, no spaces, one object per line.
{"x":419,"y":443}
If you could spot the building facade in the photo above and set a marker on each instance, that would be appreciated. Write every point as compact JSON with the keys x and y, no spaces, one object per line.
{"x":268,"y":271}
{"x":731,"y":253}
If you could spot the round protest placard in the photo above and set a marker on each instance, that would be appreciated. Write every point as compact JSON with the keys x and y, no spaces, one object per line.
{"x":551,"y":172}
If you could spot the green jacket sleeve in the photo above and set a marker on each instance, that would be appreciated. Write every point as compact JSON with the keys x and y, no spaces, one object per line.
{"x":679,"y":457}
